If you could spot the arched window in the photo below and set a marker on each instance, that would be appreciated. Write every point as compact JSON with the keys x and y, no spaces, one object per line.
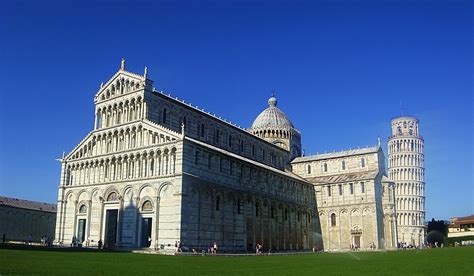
{"x":147,"y":206}
{"x":82,"y":209}
{"x":112,"y":197}
{"x":333,"y":219}
{"x":308,"y":169}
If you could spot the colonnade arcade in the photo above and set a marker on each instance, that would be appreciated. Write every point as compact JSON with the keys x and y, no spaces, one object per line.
{"x":416,"y":204}
{"x":415,"y":219}
{"x":155,"y":162}
{"x":417,"y":189}
{"x":117,"y":113}
{"x":403,"y":145}
{"x":121,"y":139}
{"x":406,"y":160}
{"x":417,"y":174}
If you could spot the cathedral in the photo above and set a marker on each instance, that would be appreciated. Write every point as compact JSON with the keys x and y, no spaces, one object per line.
{"x":157,"y":171}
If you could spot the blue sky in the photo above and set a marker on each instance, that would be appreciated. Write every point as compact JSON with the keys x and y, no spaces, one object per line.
{"x":340,"y":70}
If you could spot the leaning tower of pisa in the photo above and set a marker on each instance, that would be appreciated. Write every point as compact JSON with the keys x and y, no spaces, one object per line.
{"x":406,"y":168}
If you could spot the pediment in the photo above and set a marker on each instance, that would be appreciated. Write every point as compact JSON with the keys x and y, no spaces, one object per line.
{"x":121,"y":83}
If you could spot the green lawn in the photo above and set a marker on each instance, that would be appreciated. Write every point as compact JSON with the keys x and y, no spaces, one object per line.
{"x":439,"y":261}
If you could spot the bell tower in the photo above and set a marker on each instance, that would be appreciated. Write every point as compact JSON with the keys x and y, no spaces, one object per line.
{"x":406,"y":167}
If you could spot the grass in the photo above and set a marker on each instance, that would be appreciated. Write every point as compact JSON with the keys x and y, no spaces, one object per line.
{"x":439,"y":261}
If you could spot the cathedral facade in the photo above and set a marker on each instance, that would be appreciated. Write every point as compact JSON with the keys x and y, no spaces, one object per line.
{"x":156,"y":171}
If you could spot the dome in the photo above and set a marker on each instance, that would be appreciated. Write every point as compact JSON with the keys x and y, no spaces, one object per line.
{"x":272,"y":117}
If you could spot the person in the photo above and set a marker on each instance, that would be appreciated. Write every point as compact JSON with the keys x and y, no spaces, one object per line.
{"x":260,"y":249}
{"x":99,"y":244}
{"x":215,"y":248}
{"x":256,"y":249}
{"x":179,"y":246}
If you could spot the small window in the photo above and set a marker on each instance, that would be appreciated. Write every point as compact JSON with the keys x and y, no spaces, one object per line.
{"x":239,"y":206}
{"x":362,"y":162}
{"x":218,"y":203}
{"x":329,"y":190}
{"x":217,"y":136}
{"x":241,"y":145}
{"x":362,"y":187}
{"x":82,"y":209}
{"x":308,"y":169}
{"x":325,"y":167}
{"x":230,"y":141}
{"x":231,"y":167}
{"x":147,"y":206}
{"x":196,"y":157}
{"x":272,"y":212}
{"x":257,"y":209}
{"x":286,"y":214}
{"x":209,"y":160}
{"x":253,"y":151}
{"x":340,"y":189}
{"x":351,"y":188}
{"x":202,"y":130}
{"x":333,"y":219}
{"x":343,"y":164}
{"x":164,"y":116}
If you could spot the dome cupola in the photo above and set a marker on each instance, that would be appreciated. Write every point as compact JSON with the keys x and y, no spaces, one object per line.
{"x":272,"y":117}
{"x":274,"y":126}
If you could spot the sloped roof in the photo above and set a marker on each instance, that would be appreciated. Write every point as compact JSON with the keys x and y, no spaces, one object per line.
{"x":27,"y":204}
{"x":462,"y":220}
{"x":346,"y":177}
{"x":337,"y":154}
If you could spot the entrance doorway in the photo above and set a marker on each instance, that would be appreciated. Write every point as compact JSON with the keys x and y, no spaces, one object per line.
{"x":146,"y":232}
{"x":357,"y":242}
{"x":81,"y":230}
{"x":110,"y":228}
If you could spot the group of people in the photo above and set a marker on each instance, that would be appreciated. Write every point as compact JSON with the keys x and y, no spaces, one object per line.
{"x":46,"y":241}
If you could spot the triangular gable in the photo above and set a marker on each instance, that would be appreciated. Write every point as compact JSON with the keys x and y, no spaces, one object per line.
{"x":120,"y":83}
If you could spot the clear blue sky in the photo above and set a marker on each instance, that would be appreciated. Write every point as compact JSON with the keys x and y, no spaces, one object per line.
{"x":340,"y":69}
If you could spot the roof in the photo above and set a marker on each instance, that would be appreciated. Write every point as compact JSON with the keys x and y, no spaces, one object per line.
{"x":462,"y":220}
{"x":272,"y":118}
{"x":337,"y":154}
{"x":339,"y":178}
{"x":27,"y":204}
